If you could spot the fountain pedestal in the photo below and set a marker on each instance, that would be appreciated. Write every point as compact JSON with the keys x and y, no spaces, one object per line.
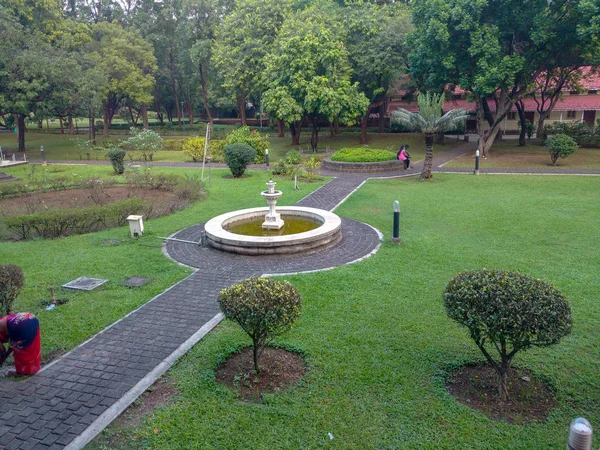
{"x":273,"y":219}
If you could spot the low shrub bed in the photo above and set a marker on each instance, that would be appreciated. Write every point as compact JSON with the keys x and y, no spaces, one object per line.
{"x":63,"y":222}
{"x":363,"y":155}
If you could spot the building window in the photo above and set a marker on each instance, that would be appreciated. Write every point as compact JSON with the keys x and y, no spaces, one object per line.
{"x":512,"y":115}
{"x":593,"y":92}
{"x":571,"y":114}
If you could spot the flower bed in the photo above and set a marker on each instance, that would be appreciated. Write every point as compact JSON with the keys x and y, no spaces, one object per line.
{"x":363,"y":160}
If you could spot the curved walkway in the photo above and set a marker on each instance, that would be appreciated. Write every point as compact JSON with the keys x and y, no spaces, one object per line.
{"x":71,"y":400}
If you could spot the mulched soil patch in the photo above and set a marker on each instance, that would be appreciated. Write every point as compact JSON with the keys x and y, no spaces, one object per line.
{"x":280,"y":369}
{"x":77,"y":198}
{"x":477,"y":387}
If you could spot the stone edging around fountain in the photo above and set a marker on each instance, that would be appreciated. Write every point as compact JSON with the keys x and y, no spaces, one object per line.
{"x":326,"y":235}
{"x":363,"y":167}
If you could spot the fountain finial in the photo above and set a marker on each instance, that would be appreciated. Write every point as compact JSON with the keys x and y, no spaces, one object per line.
{"x":272,"y":219}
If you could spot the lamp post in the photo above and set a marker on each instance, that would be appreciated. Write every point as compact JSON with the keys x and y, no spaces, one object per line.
{"x":267,"y":156}
{"x":477,"y":162}
{"x":580,"y":435}
{"x":396,"y":239}
{"x":43,"y":155}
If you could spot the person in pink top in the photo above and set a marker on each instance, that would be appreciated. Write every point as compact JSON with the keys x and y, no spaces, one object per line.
{"x":22,"y":333}
{"x":404,"y":156}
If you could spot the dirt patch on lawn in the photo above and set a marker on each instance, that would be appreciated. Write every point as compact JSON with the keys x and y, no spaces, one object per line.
{"x":280,"y":369}
{"x":160,"y":199}
{"x":476,"y":386}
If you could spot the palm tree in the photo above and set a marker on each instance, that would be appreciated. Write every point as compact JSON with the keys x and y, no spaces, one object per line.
{"x":430,"y":121}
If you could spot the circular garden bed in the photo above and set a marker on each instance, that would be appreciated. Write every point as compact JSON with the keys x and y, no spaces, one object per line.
{"x":363,"y":160}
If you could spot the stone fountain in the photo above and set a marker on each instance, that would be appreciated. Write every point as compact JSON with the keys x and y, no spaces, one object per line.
{"x":279,"y":228}
{"x":273,"y":218}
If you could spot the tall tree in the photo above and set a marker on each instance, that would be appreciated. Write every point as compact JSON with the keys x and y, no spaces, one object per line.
{"x":129,"y":62}
{"x":309,"y":75}
{"x":430,"y":121}
{"x":378,"y":52}
{"x":495,"y":51}
{"x":241,"y":43}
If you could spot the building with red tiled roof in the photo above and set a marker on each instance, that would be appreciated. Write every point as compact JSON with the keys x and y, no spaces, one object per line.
{"x":574,"y":105}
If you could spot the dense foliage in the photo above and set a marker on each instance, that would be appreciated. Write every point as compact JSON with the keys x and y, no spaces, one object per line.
{"x":560,"y":146}
{"x":117,"y":159}
{"x":145,"y":141}
{"x":363,"y":155}
{"x":584,"y":135}
{"x":194,"y":148}
{"x":12,"y":281}
{"x":508,"y":312}
{"x":263,"y":307}
{"x":244,"y":135}
{"x":237,"y":158}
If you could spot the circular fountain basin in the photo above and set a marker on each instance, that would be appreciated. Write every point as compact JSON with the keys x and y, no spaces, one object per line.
{"x":327,"y":234}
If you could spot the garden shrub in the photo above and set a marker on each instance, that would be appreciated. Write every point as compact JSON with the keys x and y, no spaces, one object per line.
{"x":117,"y":159}
{"x":145,"y":141}
{"x":293,"y":157}
{"x":63,"y":222}
{"x":12,"y":281}
{"x":237,"y":158}
{"x":509,"y":312}
{"x":173,"y":144}
{"x":194,"y":148}
{"x":189,"y":188}
{"x":263,"y":307}
{"x":560,"y":146}
{"x":363,"y":155}
{"x":216,"y":150}
{"x":281,"y":167}
{"x":584,"y":134}
{"x":311,"y":164}
{"x":254,"y":139}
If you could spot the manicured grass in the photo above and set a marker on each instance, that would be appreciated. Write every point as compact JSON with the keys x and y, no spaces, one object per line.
{"x":55,"y":262}
{"x":377,"y":340}
{"x":62,"y":147}
{"x":507,"y":154}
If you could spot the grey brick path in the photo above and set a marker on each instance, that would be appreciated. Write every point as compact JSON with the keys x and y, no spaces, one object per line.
{"x":69,"y":401}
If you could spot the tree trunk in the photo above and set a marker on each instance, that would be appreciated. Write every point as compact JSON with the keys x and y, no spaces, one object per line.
{"x":295,"y":129}
{"x":106,"y":117}
{"x":144,"y":113}
{"x":336,"y":127}
{"x":174,"y":83}
{"x":62,"y":125}
{"x":71,"y":124}
{"x":363,"y":128}
{"x":21,"y":131}
{"x":331,"y":130}
{"x":241,"y":102}
{"x":540,"y":124}
{"x":255,"y":357}
{"x":503,"y":381}
{"x":523,"y":122}
{"x":93,"y":117}
{"x":426,"y":172}
{"x":40,"y":124}
{"x":158,"y":105}
{"x":314,"y":137}
{"x":205,"y":97}
{"x":382,"y":118}
{"x":280,"y":128}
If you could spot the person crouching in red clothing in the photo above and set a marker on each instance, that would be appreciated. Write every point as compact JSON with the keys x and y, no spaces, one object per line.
{"x":22,"y":333}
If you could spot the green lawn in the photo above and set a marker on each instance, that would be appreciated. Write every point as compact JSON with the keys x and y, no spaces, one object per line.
{"x":507,"y":154}
{"x":62,"y":147}
{"x":377,"y":340}
{"x":55,"y":262}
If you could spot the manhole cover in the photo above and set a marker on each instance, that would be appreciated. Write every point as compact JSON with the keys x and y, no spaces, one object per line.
{"x":135,"y":281}
{"x":85,"y":283}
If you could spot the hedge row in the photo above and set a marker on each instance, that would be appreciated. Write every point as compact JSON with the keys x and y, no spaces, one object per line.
{"x":63,"y":222}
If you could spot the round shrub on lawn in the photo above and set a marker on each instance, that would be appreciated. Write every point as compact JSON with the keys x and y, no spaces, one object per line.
{"x":560,"y":146}
{"x":237,"y":158}
{"x":509,"y":312}
{"x":363,"y":155}
{"x":263,"y":307}
{"x":117,"y":158}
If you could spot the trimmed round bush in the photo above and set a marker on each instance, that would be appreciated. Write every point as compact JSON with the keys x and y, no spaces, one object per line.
{"x":12,"y":281}
{"x":237,"y":157}
{"x":507,"y":312}
{"x":117,"y":158}
{"x":263,"y":307}
{"x":363,"y":155}
{"x":560,"y":146}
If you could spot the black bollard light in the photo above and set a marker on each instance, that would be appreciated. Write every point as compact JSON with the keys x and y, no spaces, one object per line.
{"x":477,"y":162}
{"x":43,"y":155}
{"x":396,"y":239}
{"x":267,"y":156}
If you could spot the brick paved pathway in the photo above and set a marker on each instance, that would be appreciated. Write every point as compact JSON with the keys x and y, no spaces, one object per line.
{"x":71,"y":400}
